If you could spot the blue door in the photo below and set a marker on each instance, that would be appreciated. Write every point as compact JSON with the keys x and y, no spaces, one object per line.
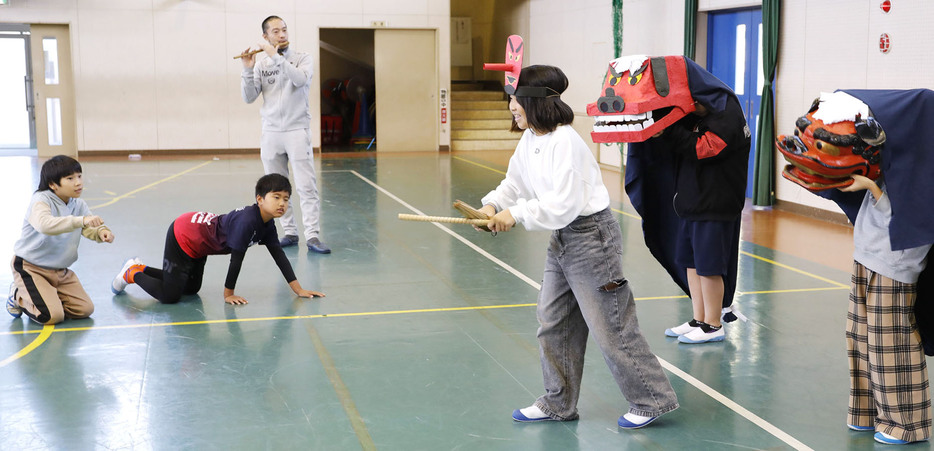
{"x":734,"y":55}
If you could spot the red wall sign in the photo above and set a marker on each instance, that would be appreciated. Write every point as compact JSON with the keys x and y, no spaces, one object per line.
{"x":886,"y":6}
{"x":885,"y":44}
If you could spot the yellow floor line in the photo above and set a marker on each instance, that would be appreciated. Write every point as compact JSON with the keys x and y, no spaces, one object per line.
{"x":799,"y":271}
{"x":360,"y":314}
{"x":627,"y":214}
{"x":143,"y":188}
{"x":270,"y":318}
{"x":343,"y":393}
{"x":656,"y":298}
{"x":793,"y":290}
{"x":478,"y":164}
{"x":44,"y":334}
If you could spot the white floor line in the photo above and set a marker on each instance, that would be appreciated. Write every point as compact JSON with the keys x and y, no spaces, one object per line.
{"x":717,"y":396}
{"x":482,"y":252}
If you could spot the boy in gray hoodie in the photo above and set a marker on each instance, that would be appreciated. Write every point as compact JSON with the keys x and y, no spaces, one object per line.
{"x":43,"y":287}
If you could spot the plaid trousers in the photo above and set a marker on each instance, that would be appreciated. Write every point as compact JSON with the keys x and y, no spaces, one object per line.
{"x":889,"y":386}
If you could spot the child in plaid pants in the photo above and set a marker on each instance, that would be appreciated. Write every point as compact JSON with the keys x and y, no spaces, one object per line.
{"x":889,"y":389}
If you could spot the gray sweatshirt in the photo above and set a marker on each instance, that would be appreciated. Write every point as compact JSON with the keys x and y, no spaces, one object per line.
{"x":874,"y":249}
{"x":284,"y":81}
{"x":52,"y":230}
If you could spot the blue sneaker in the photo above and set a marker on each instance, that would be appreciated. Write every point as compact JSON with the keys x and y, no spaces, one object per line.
{"x":626,"y":424}
{"x":861,"y":428}
{"x":11,"y":307}
{"x":882,"y":437}
{"x":518,"y":416}
{"x":315,"y":245}
{"x":288,"y":240}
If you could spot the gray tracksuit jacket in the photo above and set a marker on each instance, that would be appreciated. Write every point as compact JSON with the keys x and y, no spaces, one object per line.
{"x":284,"y":80}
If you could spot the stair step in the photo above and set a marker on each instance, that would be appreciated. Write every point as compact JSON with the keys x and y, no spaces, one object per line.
{"x":485,"y":85}
{"x":481,"y":124}
{"x":487,"y":144}
{"x":484,"y":134}
{"x":499,"y":113}
{"x":466,"y":87}
{"x":477,"y":95}
{"x":480,"y":105}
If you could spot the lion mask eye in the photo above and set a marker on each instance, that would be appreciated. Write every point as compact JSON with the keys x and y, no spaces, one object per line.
{"x":633,"y":80}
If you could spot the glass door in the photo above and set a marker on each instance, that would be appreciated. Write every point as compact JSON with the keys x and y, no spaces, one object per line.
{"x":17,"y":112}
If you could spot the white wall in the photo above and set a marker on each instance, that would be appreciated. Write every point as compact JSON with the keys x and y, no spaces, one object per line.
{"x":834,"y":44}
{"x":578,"y":37}
{"x":159,"y":74}
{"x":825,"y":45}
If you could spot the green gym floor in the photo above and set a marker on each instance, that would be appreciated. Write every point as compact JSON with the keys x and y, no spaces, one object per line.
{"x":426,"y":339}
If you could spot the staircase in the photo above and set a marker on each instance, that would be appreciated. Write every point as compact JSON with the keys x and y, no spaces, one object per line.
{"x":480,"y":118}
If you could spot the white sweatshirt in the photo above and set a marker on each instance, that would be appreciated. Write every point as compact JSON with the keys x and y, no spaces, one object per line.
{"x":551,"y":180}
{"x":284,"y":80}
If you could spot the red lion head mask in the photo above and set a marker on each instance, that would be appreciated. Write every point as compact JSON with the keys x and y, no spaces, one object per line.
{"x":641,"y":96}
{"x":824,"y":152}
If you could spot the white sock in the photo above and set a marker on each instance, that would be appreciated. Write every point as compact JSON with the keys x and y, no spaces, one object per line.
{"x":636,"y":419}
{"x":533,"y":412}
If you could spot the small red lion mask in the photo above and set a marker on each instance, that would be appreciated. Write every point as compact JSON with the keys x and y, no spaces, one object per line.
{"x":641,"y":97}
{"x":825,"y":151}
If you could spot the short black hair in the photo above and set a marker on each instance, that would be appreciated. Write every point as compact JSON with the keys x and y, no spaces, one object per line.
{"x":544,"y":114}
{"x":269,"y":19}
{"x":57,"y":168}
{"x":271,"y":183}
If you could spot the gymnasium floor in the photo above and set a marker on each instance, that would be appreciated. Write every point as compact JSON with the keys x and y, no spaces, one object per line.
{"x":426,"y":339}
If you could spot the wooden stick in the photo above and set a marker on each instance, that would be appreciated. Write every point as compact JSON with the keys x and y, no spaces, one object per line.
{"x":253,"y":52}
{"x":445,"y":219}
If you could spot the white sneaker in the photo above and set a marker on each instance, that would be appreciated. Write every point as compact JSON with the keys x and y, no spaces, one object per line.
{"x":699,"y":336}
{"x":11,"y":306}
{"x":119,"y":283}
{"x":678,"y":331}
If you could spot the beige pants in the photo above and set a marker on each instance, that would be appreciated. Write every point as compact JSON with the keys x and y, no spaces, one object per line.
{"x":48,"y":296}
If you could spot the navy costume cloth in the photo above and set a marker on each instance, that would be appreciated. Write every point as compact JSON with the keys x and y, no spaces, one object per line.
{"x":651,"y":173}
{"x":907,"y":165}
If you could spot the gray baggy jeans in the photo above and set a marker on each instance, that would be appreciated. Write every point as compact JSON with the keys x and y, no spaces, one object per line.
{"x":583,"y":291}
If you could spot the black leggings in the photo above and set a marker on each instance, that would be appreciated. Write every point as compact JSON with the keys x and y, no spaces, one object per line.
{"x":180,"y":275}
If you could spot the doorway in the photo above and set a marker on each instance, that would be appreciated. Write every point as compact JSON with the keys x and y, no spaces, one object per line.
{"x":348,"y":112}
{"x":400,"y":65}
{"x":17,"y":114}
{"x":734,"y":55}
